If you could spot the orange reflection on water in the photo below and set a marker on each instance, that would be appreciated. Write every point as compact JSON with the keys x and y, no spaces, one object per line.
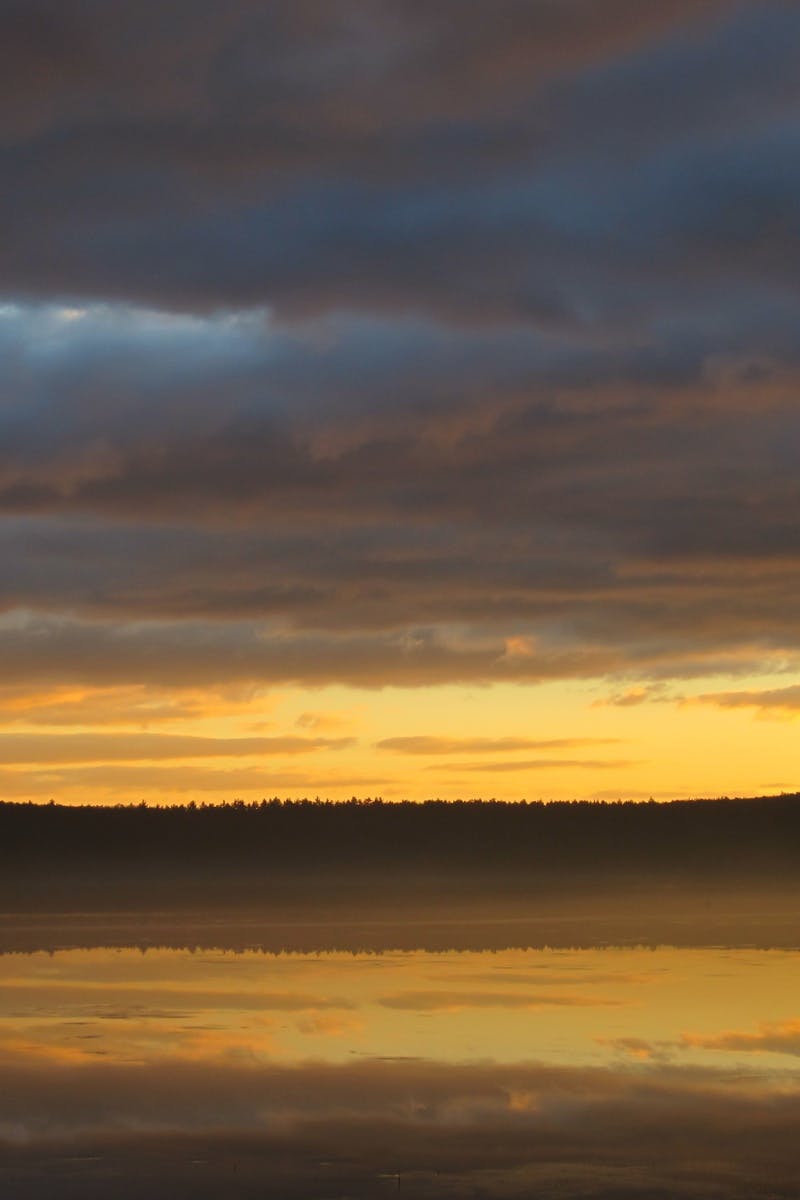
{"x":594,"y":1007}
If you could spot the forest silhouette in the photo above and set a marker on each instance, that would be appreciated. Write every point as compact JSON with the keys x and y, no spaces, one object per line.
{"x":278,"y":852}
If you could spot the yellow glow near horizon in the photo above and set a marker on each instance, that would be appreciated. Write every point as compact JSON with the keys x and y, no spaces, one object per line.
{"x":553,"y":741}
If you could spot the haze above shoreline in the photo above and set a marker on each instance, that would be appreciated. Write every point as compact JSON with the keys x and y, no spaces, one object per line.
{"x":357,"y":864}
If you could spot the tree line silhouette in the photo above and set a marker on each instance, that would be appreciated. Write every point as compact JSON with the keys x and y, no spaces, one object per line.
{"x":276,"y":847}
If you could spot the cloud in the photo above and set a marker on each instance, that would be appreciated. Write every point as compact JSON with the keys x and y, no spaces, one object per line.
{"x":139,"y":706}
{"x":129,"y":780}
{"x":398,"y":343}
{"x":310,"y":505}
{"x":42,"y":649}
{"x":55,"y":748}
{"x":324,"y":721}
{"x":776,"y":701}
{"x":633,"y":697}
{"x":537,"y":764}
{"x":431,"y":744}
{"x":250,"y":165}
{"x":403,"y":161}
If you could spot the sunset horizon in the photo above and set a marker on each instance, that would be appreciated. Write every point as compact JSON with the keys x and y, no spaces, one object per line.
{"x":399,"y":621}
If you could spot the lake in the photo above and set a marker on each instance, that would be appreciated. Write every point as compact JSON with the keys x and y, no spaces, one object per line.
{"x":554,"y":1070}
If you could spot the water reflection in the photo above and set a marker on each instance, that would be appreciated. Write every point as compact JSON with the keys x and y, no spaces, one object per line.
{"x":599,"y":1071}
{"x":568,"y":1007}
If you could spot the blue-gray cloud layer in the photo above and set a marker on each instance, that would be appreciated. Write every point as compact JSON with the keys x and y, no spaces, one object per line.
{"x":359,"y":339}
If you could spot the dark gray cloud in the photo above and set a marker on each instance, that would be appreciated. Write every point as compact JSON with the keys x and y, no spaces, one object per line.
{"x":326,"y":493}
{"x":425,"y":344}
{"x":46,"y":650}
{"x":321,"y":605}
{"x":395,"y":157}
{"x":42,"y":650}
{"x":116,"y":414}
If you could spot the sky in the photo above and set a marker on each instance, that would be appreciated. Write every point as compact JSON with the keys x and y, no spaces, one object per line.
{"x":399,"y":398}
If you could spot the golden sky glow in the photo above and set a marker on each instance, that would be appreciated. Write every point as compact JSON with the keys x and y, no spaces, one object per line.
{"x":509,"y":741}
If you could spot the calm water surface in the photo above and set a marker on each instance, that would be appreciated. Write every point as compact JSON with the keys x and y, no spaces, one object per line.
{"x":554,"y":1072}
